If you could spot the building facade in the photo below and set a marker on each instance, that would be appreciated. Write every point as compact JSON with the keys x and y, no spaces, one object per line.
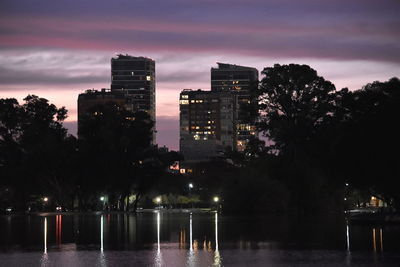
{"x":135,"y":77}
{"x":205,"y":124}
{"x":242,"y":82}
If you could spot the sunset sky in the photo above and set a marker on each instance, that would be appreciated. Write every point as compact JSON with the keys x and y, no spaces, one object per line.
{"x":58,"y":49}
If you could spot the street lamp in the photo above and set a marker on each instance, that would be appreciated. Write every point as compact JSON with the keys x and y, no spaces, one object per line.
{"x":103,"y":200}
{"x":158,"y":201}
{"x":190,"y":192}
{"x":216,"y":201}
{"x":45,"y":200}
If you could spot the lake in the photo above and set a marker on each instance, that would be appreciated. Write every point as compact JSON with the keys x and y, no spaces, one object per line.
{"x":198,"y":239}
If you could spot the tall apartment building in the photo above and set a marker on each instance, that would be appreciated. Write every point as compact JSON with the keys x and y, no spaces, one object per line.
{"x":205,"y":124}
{"x":241,"y":81}
{"x":136,"y":78}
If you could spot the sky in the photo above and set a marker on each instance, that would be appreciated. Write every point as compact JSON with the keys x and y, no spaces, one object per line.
{"x":58,"y":49}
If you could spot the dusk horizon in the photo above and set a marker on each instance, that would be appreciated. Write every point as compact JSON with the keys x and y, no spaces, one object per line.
{"x":58,"y":53}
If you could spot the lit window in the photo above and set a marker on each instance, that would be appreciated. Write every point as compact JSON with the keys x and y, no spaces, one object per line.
{"x":132,"y":73}
{"x":183,"y":171}
{"x":192,"y":101}
{"x":196,"y":137}
{"x":184,"y":96}
{"x":148,"y":78}
{"x":184,"y":102}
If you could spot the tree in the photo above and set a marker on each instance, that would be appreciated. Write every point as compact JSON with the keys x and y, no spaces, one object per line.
{"x":370,"y":141}
{"x":295,"y":104}
{"x":33,"y":144}
{"x":117,"y":155}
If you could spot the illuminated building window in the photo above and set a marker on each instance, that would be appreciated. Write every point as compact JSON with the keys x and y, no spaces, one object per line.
{"x":183,"y":171}
{"x":192,"y":101}
{"x":196,"y":137}
{"x":132,"y":73}
{"x":184,"y":96}
{"x":148,"y":78}
{"x":184,"y":102}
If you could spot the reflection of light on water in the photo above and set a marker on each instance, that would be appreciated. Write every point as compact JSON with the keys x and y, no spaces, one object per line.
{"x":348,"y":256}
{"x":102,"y":256}
{"x":374,"y":239}
{"x":348,"y":236}
{"x":158,"y":258}
{"x":45,"y":235}
{"x":191,"y":258}
{"x":45,"y":260}
{"x":158,"y":231}
{"x":191,"y":242}
{"x":58,"y":230}
{"x":217,"y":259}
{"x":102,"y":233}
{"x":217,"y":256}
{"x":216,"y":231}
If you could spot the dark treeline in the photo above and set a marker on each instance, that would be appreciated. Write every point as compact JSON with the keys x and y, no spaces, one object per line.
{"x":113,"y":158}
{"x":326,"y":149}
{"x":321,"y":143}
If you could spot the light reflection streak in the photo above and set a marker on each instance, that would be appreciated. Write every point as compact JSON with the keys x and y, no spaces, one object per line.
{"x":102,"y":233}
{"x":158,"y":259}
{"x":217,"y":256}
{"x":374,"y":239}
{"x":158,"y":231}
{"x":58,"y":230}
{"x":191,"y":232}
{"x":216,"y":231}
{"x":45,"y":235}
{"x":348,"y":236}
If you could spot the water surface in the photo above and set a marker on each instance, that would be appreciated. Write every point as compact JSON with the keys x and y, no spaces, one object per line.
{"x":198,"y":239}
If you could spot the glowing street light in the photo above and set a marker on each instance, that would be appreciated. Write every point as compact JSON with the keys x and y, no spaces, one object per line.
{"x":45,"y":199}
{"x":158,"y":201}
{"x":190,"y":186}
{"x":216,"y":199}
{"x":103,"y":200}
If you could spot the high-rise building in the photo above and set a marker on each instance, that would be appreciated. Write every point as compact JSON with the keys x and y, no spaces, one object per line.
{"x":136,"y":78}
{"x":205,"y":124}
{"x":241,"y":82}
